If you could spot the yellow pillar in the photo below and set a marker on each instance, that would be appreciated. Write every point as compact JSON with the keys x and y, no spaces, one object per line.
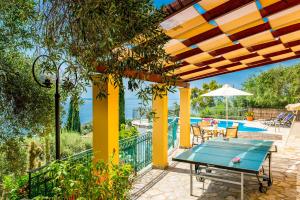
{"x":160,"y":132}
{"x":184,"y":121}
{"x":106,"y":123}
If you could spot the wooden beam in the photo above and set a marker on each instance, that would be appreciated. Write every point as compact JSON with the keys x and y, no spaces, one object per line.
{"x":146,"y":76}
{"x":251,"y":66}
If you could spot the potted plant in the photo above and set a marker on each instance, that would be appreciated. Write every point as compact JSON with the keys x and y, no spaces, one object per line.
{"x":249,"y":116}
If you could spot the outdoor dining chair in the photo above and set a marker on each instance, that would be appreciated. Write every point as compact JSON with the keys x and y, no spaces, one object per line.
{"x":235,"y":125}
{"x":231,"y":132}
{"x":204,"y":123}
{"x":196,"y":133}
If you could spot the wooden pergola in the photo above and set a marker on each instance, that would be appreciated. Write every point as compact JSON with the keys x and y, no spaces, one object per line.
{"x":208,"y":38}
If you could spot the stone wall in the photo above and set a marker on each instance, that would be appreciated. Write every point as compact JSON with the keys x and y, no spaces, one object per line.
{"x":267,"y":113}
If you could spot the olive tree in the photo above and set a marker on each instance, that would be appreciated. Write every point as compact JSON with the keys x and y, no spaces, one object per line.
{"x":113,"y":37}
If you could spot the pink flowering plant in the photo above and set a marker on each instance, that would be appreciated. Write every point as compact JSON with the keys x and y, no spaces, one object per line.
{"x":214,"y":122}
{"x":207,"y":119}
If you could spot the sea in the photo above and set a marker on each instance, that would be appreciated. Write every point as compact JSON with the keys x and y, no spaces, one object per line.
{"x":86,"y":109}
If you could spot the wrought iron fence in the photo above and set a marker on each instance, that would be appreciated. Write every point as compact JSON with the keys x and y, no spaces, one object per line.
{"x":136,"y":151}
{"x":172,"y":133}
{"x":41,"y":180}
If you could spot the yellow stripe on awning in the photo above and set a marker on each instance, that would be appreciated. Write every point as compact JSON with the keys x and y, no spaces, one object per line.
{"x":283,"y":56}
{"x":185,"y":68}
{"x":236,"y":67}
{"x":296,"y":48}
{"x":259,"y":38}
{"x":250,"y":60}
{"x":210,"y":4}
{"x":198,"y":73}
{"x":271,"y":49}
{"x":290,"y":37}
{"x":199,"y":58}
{"x":285,"y":17}
{"x":221,"y":63}
{"x":215,"y":43}
{"x":266,"y":3}
{"x":239,"y":18}
{"x":236,"y":53}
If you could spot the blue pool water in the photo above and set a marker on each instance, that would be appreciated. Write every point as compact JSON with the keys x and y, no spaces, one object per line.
{"x":242,"y":126}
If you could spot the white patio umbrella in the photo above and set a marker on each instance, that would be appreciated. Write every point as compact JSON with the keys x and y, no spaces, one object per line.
{"x":226,"y":91}
{"x":293,"y":107}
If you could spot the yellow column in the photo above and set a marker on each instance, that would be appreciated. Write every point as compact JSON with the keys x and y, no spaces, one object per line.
{"x":184,"y":121}
{"x":160,"y":132}
{"x":106,"y":123}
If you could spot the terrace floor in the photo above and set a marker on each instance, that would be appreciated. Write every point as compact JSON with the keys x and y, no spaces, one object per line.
{"x":173,"y":183}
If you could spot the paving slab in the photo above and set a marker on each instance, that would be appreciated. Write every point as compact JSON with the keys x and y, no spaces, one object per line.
{"x":174,"y":183}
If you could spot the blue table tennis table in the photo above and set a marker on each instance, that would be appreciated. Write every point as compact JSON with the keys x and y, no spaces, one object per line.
{"x":217,"y":154}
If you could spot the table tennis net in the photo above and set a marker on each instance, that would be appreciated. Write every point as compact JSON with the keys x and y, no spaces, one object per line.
{"x":242,"y":145}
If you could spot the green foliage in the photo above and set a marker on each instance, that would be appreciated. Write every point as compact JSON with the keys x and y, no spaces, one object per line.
{"x":73,"y":121}
{"x":127,"y":131}
{"x":118,"y":35}
{"x":15,"y":187}
{"x":34,"y":156}
{"x":176,"y":109}
{"x":17,"y":18}
{"x":274,"y":88}
{"x":91,"y":181}
{"x":73,"y":142}
{"x":86,"y":128}
{"x":13,"y":158}
{"x":122,"y":118}
{"x":198,"y":102}
{"x":27,"y":108}
{"x":47,"y":149}
{"x":145,"y":112}
{"x":249,"y":114}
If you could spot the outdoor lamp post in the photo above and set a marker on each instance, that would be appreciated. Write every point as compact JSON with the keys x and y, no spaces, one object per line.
{"x":55,"y":70}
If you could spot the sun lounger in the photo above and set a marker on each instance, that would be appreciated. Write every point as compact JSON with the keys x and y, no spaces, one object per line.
{"x":286,"y":122}
{"x":272,"y":122}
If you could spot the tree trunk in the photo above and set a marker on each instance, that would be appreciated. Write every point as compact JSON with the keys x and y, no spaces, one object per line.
{"x":121,"y":104}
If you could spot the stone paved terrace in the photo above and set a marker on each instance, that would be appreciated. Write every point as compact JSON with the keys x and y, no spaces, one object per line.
{"x":173,"y":183}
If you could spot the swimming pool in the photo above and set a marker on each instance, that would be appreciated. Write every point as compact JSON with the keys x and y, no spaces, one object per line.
{"x":242,"y":127}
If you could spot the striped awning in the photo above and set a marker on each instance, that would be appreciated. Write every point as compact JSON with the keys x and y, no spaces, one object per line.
{"x":212,"y":37}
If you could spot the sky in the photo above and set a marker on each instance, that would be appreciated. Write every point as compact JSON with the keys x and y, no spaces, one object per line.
{"x":234,"y":79}
{"x":159,"y":3}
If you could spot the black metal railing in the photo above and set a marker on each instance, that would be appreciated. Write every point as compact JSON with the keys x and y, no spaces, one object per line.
{"x":41,"y":180}
{"x":136,"y":151}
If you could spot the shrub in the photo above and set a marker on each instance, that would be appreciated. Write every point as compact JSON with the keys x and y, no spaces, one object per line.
{"x":72,"y":143}
{"x":15,"y":187}
{"x":86,"y":128}
{"x":34,"y":156}
{"x":127,"y":131}
{"x":91,"y":181}
{"x":13,"y":158}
